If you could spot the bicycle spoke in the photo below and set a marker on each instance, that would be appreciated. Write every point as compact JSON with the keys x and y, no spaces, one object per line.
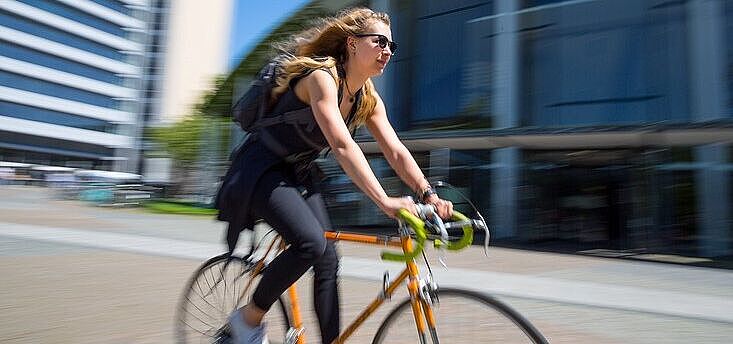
{"x":199,"y":319}
{"x":193,"y":328}
{"x":212,"y":295}
{"x":192,"y":302}
{"x":217,"y":296}
{"x":207,"y":302}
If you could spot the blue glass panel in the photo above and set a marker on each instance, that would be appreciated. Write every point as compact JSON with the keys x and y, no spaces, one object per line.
{"x":57,"y":147}
{"x":36,"y":57}
{"x":37,"y":29}
{"x":433,"y":8}
{"x":55,"y":90}
{"x":533,"y":3}
{"x":439,"y":66}
{"x":604,"y":62}
{"x":728,"y":15}
{"x":74,"y":14}
{"x":115,"y":5}
{"x":53,"y":117}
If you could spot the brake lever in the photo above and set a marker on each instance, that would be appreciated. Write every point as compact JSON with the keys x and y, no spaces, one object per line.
{"x":481,"y":223}
{"x":430,"y":215}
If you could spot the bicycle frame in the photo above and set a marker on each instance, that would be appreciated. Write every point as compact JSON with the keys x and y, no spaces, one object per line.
{"x":421,"y":309}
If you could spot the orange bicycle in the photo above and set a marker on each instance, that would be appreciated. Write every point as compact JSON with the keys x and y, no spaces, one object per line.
{"x":430,"y":313}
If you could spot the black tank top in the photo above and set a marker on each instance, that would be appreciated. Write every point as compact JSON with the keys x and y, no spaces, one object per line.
{"x":304,"y":138}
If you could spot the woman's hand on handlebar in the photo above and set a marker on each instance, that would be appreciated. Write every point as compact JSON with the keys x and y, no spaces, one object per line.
{"x":391,"y":205}
{"x":442,"y":207}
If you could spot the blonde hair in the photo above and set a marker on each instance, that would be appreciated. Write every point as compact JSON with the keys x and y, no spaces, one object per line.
{"x":324,"y":46}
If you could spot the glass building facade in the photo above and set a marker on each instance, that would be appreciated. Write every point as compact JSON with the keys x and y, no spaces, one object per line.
{"x":597,"y":126}
{"x":71,"y":75}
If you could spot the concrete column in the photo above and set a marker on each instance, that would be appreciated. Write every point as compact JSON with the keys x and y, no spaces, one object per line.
{"x":504,"y":179}
{"x":709,"y":95}
{"x":506,"y":65}
{"x":505,"y":108}
{"x":713,"y":201}
{"x":707,"y":49}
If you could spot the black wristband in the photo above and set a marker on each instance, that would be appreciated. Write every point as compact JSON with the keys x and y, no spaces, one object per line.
{"x":426,"y":193}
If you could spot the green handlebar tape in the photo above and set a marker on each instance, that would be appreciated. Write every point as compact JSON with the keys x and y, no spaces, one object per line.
{"x":420,"y":235}
{"x":461,"y":243}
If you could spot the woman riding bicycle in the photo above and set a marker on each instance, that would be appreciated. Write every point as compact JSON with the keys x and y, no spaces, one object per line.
{"x":328,"y":69}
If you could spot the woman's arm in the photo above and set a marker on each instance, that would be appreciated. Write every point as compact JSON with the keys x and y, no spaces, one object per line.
{"x":400,"y":158}
{"x":322,"y":95}
{"x":395,"y":151}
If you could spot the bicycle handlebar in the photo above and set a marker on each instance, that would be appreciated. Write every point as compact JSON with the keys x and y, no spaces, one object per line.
{"x":427,"y":213}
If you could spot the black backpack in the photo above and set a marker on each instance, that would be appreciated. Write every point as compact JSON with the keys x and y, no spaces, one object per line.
{"x":251,"y":111}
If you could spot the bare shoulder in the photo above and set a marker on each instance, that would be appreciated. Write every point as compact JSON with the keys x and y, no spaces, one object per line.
{"x":317,"y":82}
{"x":322,"y":76}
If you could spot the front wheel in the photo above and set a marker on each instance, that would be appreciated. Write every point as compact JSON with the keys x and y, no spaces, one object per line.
{"x":461,"y":316}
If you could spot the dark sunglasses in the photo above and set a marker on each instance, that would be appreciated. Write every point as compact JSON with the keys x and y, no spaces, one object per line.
{"x":383,"y":40}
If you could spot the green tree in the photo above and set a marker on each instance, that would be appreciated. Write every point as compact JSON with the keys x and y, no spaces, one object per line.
{"x":189,"y":141}
{"x":182,"y":140}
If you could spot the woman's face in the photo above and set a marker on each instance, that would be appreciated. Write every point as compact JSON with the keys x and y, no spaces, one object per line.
{"x":370,"y":57}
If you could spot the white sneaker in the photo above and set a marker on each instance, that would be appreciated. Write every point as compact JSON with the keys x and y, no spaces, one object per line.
{"x":245,"y":334}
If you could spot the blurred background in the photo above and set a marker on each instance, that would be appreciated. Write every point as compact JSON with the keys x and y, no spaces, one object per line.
{"x":594,"y":136}
{"x":598,"y":127}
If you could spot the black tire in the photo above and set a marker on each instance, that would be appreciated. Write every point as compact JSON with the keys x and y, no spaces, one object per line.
{"x":471,"y":318}
{"x":213,"y":293}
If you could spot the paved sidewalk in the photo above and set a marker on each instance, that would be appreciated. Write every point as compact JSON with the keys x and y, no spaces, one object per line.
{"x":630,"y":294}
{"x":81,"y":274}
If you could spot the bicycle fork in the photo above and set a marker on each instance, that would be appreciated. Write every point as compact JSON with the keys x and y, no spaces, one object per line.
{"x":423,"y":294}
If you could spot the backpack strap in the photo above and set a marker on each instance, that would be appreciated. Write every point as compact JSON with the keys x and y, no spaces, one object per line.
{"x":302,"y":116}
{"x":288,"y":117}
{"x":297,"y":115}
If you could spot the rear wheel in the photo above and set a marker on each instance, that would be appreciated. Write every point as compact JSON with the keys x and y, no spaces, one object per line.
{"x":461,"y":317}
{"x":213,"y":293}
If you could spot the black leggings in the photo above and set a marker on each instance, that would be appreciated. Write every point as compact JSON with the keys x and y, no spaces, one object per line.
{"x":301,"y":221}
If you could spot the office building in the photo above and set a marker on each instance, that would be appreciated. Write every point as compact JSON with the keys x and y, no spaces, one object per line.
{"x":70,"y":80}
{"x":586,"y":125}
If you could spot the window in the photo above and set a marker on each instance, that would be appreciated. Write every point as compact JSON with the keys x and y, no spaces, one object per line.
{"x":54,"y":146}
{"x":36,"y":57}
{"x":138,"y":37}
{"x":54,"y":117}
{"x":131,"y":83}
{"x":128,"y":106}
{"x":470,"y":173}
{"x":53,"y":34}
{"x":729,"y":52}
{"x":439,"y":62}
{"x":604,"y":62}
{"x":134,"y":59}
{"x":115,"y":5}
{"x":20,"y":82}
{"x":76,"y":15}
{"x":534,"y":3}
{"x":140,"y":14}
